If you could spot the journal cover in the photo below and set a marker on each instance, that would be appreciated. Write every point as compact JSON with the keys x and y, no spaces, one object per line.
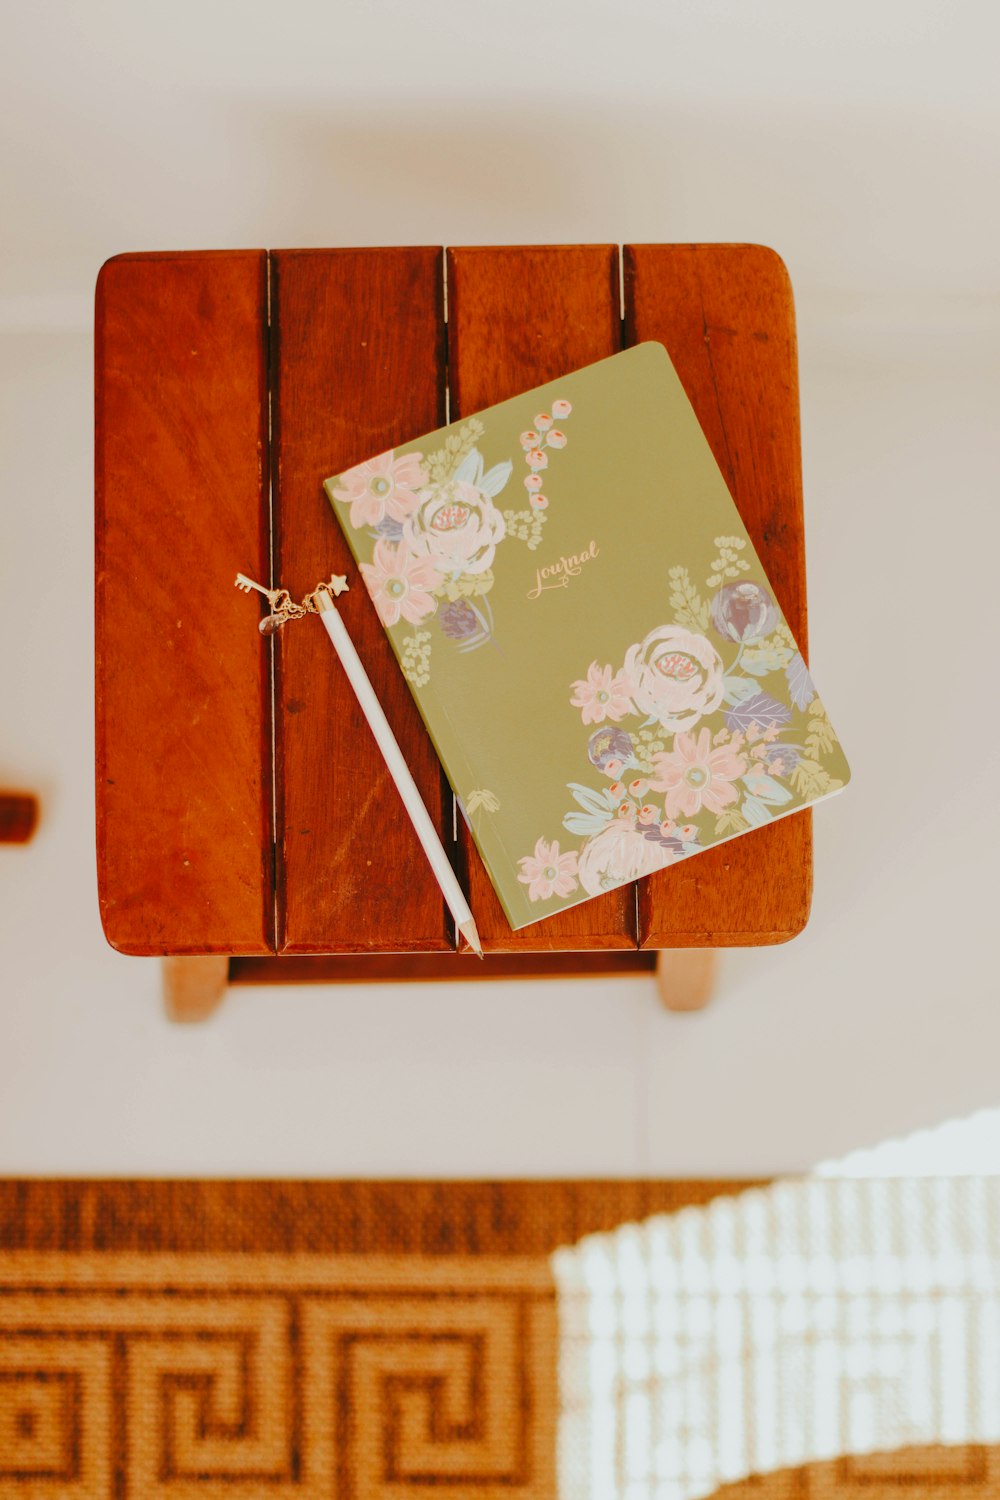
{"x":588,"y":633}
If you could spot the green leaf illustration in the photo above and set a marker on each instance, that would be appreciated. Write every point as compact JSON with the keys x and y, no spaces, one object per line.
{"x":482,"y":799}
{"x":811,"y":780}
{"x":730,"y":820}
{"x":772,"y":655}
{"x":416,"y":657}
{"x":525,"y":526}
{"x":441,"y":465}
{"x":820,"y":738}
{"x":467,"y":586}
{"x":690,"y":610}
{"x":728,"y":564}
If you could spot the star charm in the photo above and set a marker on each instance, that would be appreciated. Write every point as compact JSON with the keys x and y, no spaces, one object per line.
{"x":339,"y":584}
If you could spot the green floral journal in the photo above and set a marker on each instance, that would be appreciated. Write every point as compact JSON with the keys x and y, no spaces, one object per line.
{"x":588,"y":633}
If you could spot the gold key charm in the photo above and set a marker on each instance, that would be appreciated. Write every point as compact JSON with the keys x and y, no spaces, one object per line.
{"x":283,"y":607}
{"x":245,"y":584}
{"x":280,"y":601}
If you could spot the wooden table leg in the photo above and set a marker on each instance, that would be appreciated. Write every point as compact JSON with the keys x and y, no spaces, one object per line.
{"x":194,"y":987}
{"x":685,"y":977}
{"x":18,"y":816}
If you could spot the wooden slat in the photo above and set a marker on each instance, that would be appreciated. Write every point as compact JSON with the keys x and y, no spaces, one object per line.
{"x":358,"y":366}
{"x":182,"y":685}
{"x":725,"y":316}
{"x":517,"y":317}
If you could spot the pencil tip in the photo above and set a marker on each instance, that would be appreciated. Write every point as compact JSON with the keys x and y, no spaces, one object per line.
{"x":470,"y":932}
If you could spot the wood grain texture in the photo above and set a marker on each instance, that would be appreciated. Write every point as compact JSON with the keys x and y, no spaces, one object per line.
{"x":726,"y":317}
{"x":517,"y":317}
{"x":185,"y":851}
{"x":347,"y":1217}
{"x":358,"y":366}
{"x":182,"y":686}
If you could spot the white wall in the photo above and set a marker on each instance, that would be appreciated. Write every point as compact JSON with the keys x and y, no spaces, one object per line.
{"x":862,"y":141}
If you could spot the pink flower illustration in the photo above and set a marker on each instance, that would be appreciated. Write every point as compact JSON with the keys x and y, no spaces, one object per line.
{"x":383,"y":486}
{"x":602,"y":695}
{"x":400,"y":584}
{"x":533,"y":482}
{"x":538,"y":502}
{"x":561,"y":408}
{"x":543,"y":421}
{"x":547,"y":872}
{"x":556,"y":439}
{"x":693,"y":775}
{"x":536,"y":459}
{"x":530,"y":439}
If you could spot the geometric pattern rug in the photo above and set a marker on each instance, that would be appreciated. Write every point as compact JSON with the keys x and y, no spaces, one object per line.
{"x":386,"y":1341}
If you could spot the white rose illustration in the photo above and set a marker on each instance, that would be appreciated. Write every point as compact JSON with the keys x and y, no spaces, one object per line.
{"x":457,"y":525}
{"x":676,"y":676}
{"x":616,"y":855}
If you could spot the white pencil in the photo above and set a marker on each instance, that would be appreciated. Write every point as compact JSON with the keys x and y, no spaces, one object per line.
{"x":398,"y":769}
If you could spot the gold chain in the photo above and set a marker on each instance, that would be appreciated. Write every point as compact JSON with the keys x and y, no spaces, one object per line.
{"x":283,"y":607}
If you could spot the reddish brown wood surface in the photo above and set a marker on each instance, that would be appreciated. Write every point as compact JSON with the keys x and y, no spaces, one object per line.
{"x":517,"y":317}
{"x":726,"y":317}
{"x":358,"y":367}
{"x":182,"y":686}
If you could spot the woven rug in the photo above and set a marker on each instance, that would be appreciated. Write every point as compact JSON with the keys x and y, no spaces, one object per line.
{"x":375,"y":1341}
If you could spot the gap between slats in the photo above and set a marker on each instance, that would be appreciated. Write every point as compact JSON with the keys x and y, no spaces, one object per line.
{"x":272,"y":644}
{"x":456,"y":863}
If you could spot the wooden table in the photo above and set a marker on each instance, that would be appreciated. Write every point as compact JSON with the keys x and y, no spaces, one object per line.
{"x":243,"y":811}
